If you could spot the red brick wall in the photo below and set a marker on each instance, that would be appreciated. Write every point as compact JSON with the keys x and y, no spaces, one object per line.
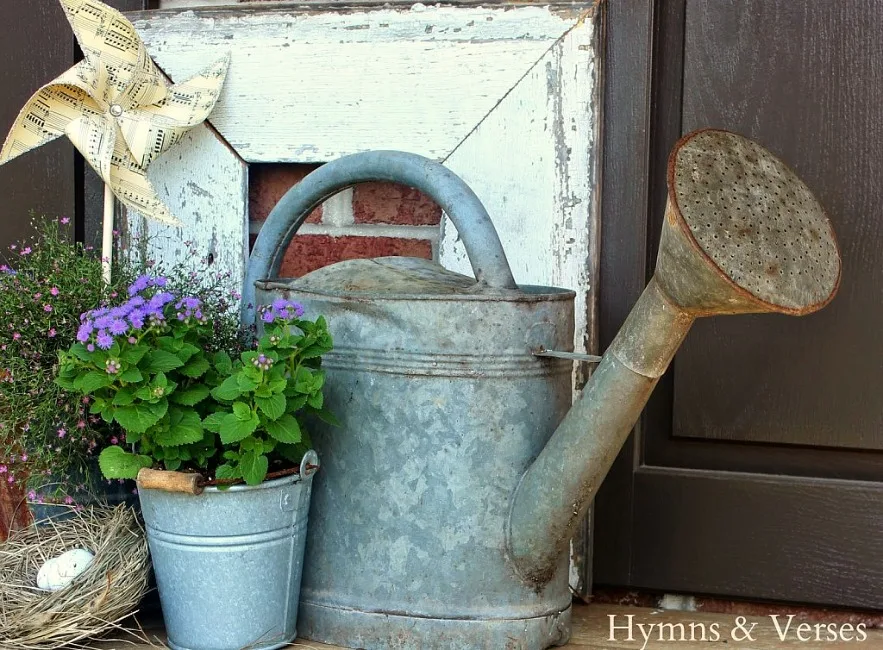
{"x":371,"y":220}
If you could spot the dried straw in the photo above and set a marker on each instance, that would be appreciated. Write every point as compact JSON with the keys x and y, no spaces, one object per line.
{"x":95,"y":602}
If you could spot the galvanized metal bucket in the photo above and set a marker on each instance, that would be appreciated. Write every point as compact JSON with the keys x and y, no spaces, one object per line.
{"x":228,"y":562}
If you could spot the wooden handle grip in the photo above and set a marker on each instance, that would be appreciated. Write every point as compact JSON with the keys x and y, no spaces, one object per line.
{"x":170,"y":481}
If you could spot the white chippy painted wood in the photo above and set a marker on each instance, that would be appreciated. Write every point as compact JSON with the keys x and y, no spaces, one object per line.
{"x":310,"y":85}
{"x":531,"y":162}
{"x":506,"y":96}
{"x":205,"y":185}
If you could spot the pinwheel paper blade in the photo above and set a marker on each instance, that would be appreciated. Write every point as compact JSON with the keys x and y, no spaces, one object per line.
{"x":115,"y":106}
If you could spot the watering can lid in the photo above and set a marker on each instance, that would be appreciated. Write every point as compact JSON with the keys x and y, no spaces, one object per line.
{"x":385,"y":276}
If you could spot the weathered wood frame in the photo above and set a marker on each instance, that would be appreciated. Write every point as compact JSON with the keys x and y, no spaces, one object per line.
{"x":507,"y":96}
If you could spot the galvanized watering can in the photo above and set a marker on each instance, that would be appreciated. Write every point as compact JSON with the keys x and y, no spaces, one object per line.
{"x":449,"y":494}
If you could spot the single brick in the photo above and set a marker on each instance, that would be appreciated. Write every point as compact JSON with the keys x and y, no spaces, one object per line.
{"x":396,"y":204}
{"x":310,"y":252}
{"x":268,"y":182}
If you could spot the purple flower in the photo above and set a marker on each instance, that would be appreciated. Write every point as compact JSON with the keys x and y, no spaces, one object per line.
{"x":84,"y":331}
{"x":32,"y":496}
{"x":65,"y":221}
{"x":69,"y":500}
{"x":139,"y":285}
{"x":159,"y":281}
{"x":103,"y":322}
{"x":52,"y":332}
{"x":118,"y":327}
{"x":26,"y":250}
{"x":47,"y":308}
{"x":268,"y":316}
{"x":191,"y":303}
{"x":104,"y":340}
{"x":54,"y":291}
{"x":62,"y":433}
{"x":112,"y":366}
{"x":136,"y":317}
{"x":90,"y":347}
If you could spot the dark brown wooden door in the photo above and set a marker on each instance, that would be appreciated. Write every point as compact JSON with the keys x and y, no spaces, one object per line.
{"x":757,"y":468}
{"x":36,"y":45}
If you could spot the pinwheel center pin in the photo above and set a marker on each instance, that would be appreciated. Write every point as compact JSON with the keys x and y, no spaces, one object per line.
{"x":116,"y":110}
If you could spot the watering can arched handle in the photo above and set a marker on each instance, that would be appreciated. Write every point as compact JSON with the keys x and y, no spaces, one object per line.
{"x":448,"y":190}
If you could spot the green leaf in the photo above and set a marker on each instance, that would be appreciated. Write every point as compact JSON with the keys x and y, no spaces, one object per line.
{"x":247,"y":383}
{"x":123,"y":397}
{"x":92,"y":381}
{"x":293,"y":453}
{"x":191,"y":395}
{"x":233,"y":429}
{"x":98,"y":405}
{"x":213,"y":422}
{"x":296,"y":401}
{"x":228,"y":390}
{"x":316,"y":400}
{"x":195,"y":367}
{"x":132,"y":375}
{"x":134,"y":354}
{"x":273,"y":407}
{"x":116,"y":462}
{"x":80,"y":352}
{"x":223,"y":362}
{"x":227,"y":471}
{"x":285,"y":429}
{"x":253,"y":467}
{"x":327,"y":416}
{"x":304,"y":382}
{"x":263,"y":391}
{"x":242,"y":411}
{"x":187,"y":351}
{"x":185,"y":427}
{"x":172,"y":464}
{"x":160,"y":361}
{"x":65,"y":382}
{"x":278,"y":385}
{"x":140,"y":416}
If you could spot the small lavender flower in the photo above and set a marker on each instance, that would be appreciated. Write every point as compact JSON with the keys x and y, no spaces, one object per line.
{"x":118,"y":327}
{"x":84,"y":331}
{"x":103,"y":322}
{"x":262,"y":362}
{"x":104,"y":340}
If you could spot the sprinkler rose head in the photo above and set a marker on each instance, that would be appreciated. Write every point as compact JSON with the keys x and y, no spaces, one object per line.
{"x":764,"y":242}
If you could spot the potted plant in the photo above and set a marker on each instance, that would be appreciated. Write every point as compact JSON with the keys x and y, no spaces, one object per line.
{"x":48,"y":439}
{"x":227,"y":556}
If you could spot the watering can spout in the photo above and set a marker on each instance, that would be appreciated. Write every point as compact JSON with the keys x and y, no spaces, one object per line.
{"x":742,"y":234}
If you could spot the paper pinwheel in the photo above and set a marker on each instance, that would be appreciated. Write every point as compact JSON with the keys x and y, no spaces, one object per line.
{"x":115,"y":106}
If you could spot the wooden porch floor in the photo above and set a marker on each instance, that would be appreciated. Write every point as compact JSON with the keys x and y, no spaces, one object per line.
{"x":591,"y":630}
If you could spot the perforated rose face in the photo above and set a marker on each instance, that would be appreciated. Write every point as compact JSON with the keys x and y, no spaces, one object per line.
{"x":756,"y":220}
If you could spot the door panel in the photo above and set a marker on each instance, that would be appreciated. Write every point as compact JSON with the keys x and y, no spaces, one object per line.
{"x":800,"y":78}
{"x":756,"y":470}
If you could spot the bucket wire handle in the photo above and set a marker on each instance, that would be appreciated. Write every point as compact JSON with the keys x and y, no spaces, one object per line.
{"x":448,"y":190}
